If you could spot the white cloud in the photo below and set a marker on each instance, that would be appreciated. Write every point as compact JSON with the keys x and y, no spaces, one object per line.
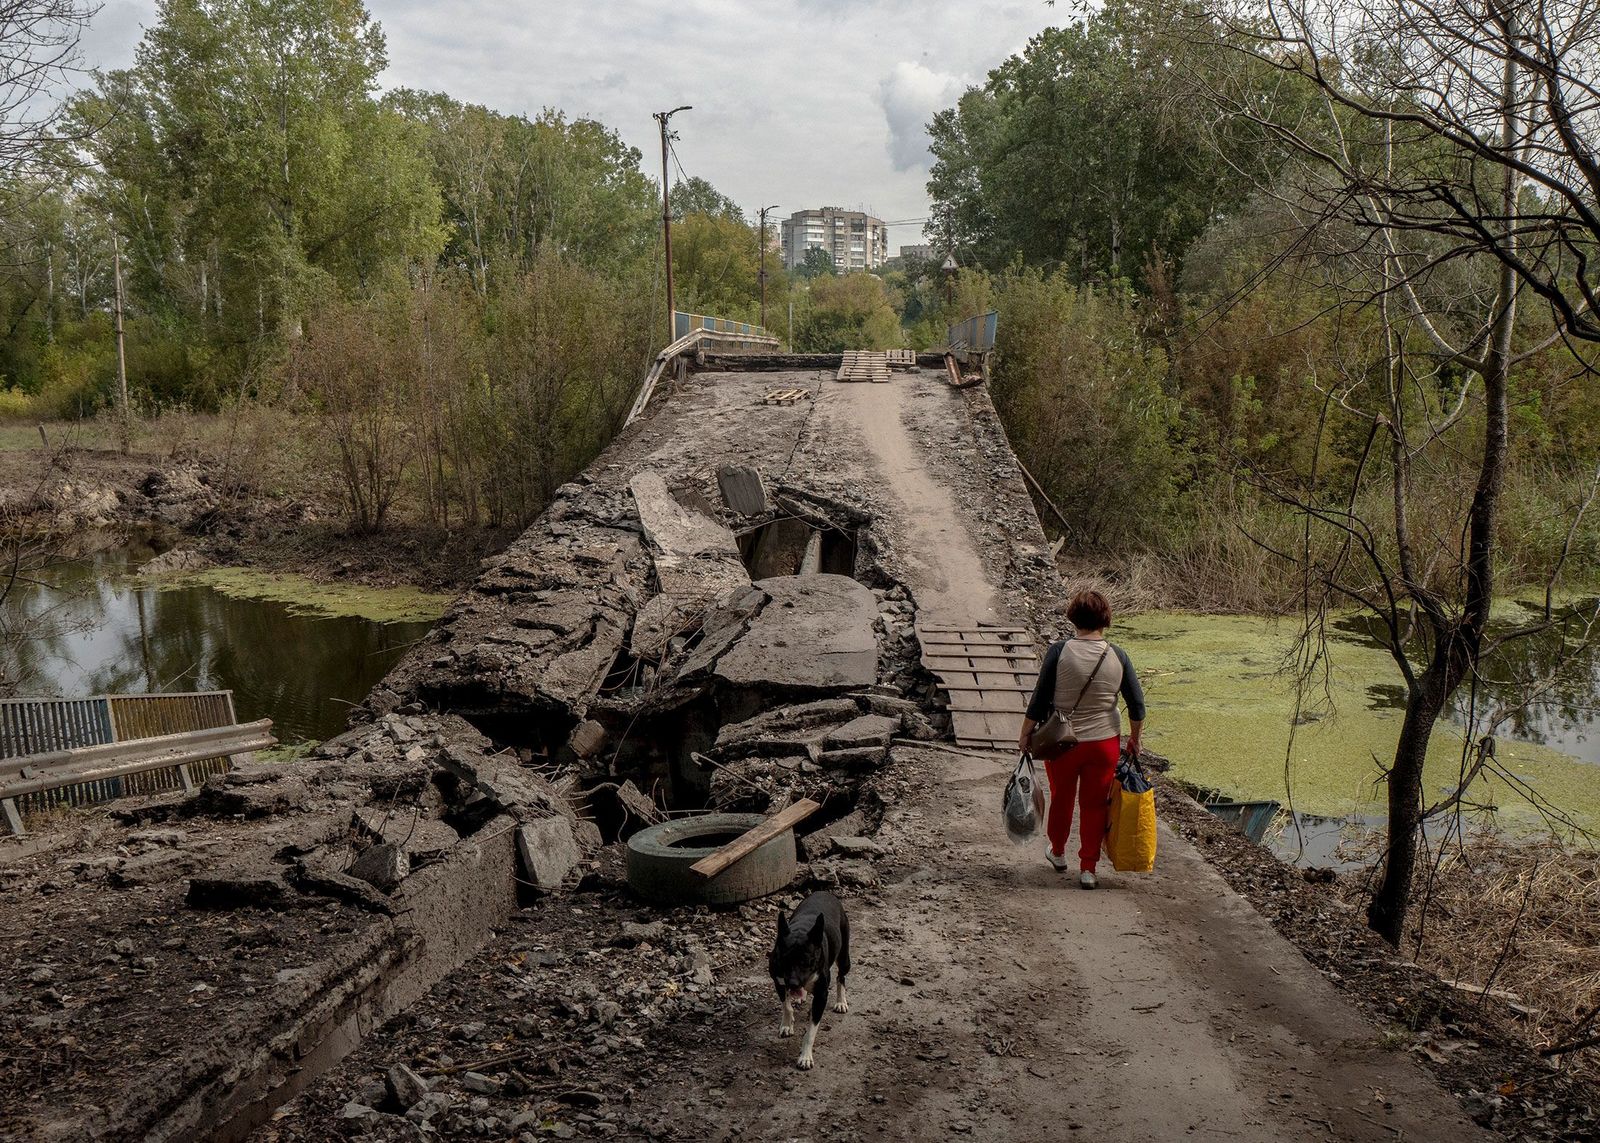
{"x":910,"y":95}
{"x":791,"y":104}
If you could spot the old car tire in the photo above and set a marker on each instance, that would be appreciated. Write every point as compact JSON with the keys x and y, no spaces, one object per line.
{"x":659,"y":859}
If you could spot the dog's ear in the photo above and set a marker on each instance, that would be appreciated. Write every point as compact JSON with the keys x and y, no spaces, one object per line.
{"x":783,"y":927}
{"x":817,"y":932}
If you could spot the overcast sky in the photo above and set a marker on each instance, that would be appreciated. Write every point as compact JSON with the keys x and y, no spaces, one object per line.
{"x":801,"y":103}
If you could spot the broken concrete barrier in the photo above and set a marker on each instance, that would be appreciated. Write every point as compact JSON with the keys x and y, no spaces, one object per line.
{"x":742,"y":489}
{"x":548,"y":850}
{"x":382,"y":866}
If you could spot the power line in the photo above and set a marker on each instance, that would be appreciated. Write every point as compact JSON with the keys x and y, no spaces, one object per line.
{"x":683,"y":175}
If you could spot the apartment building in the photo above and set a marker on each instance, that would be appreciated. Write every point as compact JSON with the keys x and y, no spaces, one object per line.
{"x":854,"y":239}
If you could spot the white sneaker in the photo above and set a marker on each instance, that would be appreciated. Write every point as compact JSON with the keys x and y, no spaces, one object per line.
{"x":1059,"y":860}
{"x":1086,"y":880}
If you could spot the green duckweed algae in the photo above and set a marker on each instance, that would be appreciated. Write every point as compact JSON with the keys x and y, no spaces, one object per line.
{"x":1222,"y":706}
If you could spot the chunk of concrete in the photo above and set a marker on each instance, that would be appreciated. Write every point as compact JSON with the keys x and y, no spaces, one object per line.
{"x":742,"y":489}
{"x":587,"y":738}
{"x":310,"y":877}
{"x":673,"y":528}
{"x":422,"y":839}
{"x":238,"y":889}
{"x":868,"y":730}
{"x":505,"y":782}
{"x":789,"y":730}
{"x":548,"y":850}
{"x":382,"y":866}
{"x":249,"y":795}
{"x":814,"y":633}
{"x":405,"y":1087}
{"x":857,"y":847}
{"x":853,"y":758}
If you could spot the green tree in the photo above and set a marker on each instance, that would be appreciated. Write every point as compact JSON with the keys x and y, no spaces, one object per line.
{"x":853,"y":311}
{"x":1084,"y":153}
{"x":512,"y":185}
{"x":695,"y":195}
{"x":245,"y":157}
{"x":716,"y":265}
{"x":817,"y":263}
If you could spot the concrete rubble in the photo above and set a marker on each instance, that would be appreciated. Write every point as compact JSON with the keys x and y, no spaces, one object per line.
{"x":646,"y":645}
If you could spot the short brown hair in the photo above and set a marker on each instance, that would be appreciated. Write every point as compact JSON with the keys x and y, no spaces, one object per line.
{"x":1089,"y":611}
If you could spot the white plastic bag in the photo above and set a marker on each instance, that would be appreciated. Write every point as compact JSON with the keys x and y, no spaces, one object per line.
{"x":1023,"y":806}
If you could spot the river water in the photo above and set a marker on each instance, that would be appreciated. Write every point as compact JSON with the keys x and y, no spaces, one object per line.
{"x":96,"y":631}
{"x":1224,"y":707}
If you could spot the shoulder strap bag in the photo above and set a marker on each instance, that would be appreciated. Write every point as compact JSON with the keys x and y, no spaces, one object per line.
{"x":1054,"y":737}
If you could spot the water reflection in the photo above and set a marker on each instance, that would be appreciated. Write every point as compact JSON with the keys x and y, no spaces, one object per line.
{"x":105,"y":635}
{"x":1564,"y":715}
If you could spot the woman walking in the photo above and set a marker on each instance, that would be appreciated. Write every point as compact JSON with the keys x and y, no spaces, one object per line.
{"x":1081,"y":677}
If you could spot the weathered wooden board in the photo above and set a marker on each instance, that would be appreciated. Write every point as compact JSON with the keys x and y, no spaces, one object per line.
{"x":864,"y":365}
{"x":747,"y":843}
{"x":988,"y":673}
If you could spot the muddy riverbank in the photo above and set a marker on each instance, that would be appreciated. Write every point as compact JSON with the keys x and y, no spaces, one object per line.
{"x":280,"y":520}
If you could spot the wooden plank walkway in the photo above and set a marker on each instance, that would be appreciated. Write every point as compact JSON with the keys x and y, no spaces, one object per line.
{"x":988,"y":673}
{"x":864,"y":365}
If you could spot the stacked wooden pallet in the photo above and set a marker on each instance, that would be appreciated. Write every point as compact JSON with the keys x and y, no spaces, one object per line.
{"x":902,"y":359}
{"x":864,"y":365}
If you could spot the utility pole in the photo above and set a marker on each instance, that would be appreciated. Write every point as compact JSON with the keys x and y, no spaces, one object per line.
{"x":122,"y":357}
{"x":661,"y":117}
{"x":763,"y":274}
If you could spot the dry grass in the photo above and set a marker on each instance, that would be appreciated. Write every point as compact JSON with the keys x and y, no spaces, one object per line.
{"x":1244,"y":584}
{"x":1518,"y":918}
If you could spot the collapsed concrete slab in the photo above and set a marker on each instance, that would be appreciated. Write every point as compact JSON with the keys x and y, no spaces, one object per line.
{"x":696,"y":561}
{"x":813,"y":633}
{"x":536,"y":636}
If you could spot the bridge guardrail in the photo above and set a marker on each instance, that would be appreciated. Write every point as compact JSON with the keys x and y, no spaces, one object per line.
{"x":737,"y":335}
{"x":31,"y":728}
{"x":27,"y":774}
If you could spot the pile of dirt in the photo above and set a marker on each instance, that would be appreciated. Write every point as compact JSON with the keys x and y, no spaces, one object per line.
{"x":1477,"y":1045}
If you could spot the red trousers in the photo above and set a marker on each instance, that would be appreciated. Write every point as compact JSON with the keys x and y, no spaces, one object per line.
{"x":1087,"y":768}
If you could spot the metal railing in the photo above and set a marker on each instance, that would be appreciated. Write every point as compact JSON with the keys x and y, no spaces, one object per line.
{"x":30,"y":775}
{"x":974,"y":336}
{"x":31,"y":728}
{"x":740,"y":335}
{"x":683,"y":324}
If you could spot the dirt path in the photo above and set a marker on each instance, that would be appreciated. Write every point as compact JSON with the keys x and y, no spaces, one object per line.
{"x":943,"y":567}
{"x":992,"y":999}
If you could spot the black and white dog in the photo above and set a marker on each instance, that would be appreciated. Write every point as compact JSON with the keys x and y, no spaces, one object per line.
{"x":809,"y":945}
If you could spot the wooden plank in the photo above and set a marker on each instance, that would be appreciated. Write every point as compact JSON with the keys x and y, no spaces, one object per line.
{"x":747,"y":843}
{"x":933,"y":629}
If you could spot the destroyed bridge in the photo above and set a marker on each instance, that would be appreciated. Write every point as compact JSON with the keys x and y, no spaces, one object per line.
{"x":790,"y":579}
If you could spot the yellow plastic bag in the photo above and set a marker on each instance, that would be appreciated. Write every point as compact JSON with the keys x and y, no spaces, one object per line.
{"x":1131,"y":821}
